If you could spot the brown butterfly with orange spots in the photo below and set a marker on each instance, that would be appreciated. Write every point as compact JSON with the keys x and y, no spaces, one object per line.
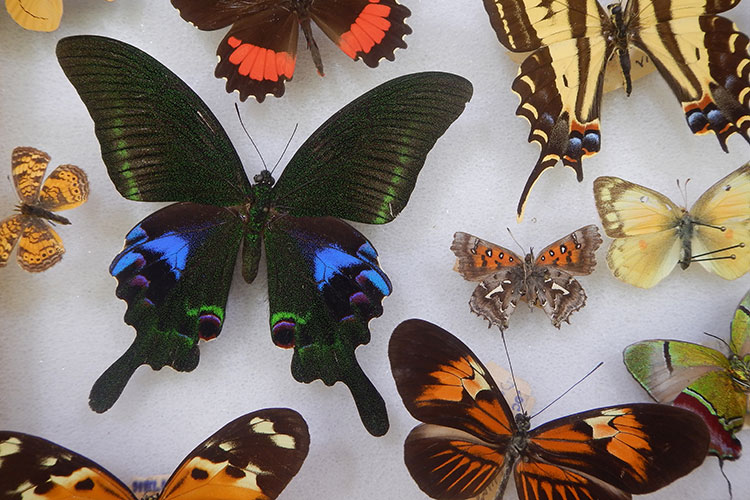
{"x":253,"y":458}
{"x":547,"y":281}
{"x":470,"y":442}
{"x":259,"y":53}
{"x":39,"y":246}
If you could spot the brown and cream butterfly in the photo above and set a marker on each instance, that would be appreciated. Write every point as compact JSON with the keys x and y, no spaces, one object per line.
{"x":471,"y":443}
{"x":260,"y":51}
{"x":545,"y":281}
{"x":702,"y":56}
{"x":39,"y":246}
{"x":253,"y":457}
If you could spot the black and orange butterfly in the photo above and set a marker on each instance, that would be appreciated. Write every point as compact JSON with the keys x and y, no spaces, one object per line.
{"x":259,"y":53}
{"x":253,"y":457}
{"x":470,"y":442}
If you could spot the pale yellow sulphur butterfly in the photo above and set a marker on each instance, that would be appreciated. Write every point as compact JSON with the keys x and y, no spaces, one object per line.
{"x":652,"y":234}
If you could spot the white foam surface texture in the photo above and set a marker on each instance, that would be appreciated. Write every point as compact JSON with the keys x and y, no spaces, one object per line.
{"x":62,"y":328}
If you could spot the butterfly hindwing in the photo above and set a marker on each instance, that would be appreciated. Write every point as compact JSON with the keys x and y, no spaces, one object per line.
{"x":367,"y":29}
{"x":158,"y":139}
{"x":363,"y":162}
{"x":253,"y":457}
{"x":322,"y":309}
{"x":32,"y":467}
{"x":174,"y":272}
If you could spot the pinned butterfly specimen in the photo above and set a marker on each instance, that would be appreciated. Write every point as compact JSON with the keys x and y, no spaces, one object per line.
{"x":253,"y":457}
{"x":470,"y":443}
{"x":545,"y":281}
{"x":160,"y":142}
{"x":39,"y":246}
{"x":702,"y":56}
{"x":259,"y":53}
{"x":652,"y":234}
{"x":36,"y":15}
{"x":709,"y":382}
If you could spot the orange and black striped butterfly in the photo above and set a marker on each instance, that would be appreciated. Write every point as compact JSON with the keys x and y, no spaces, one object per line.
{"x":259,"y":53}
{"x":470,"y":442}
{"x":253,"y":457}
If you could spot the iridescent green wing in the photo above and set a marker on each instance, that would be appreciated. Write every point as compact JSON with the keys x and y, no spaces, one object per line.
{"x":665,"y":367}
{"x":174,"y":272}
{"x":158,"y":139}
{"x":740,"y":340}
{"x":324,"y":286}
{"x":363,"y":162}
{"x":694,"y":377}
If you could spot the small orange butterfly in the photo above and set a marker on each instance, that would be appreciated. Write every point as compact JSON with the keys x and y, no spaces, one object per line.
{"x":39,"y":246}
{"x":471,"y":443}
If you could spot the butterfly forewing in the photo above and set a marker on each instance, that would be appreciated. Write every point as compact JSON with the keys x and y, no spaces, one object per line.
{"x":574,"y":253}
{"x":34,"y":468}
{"x":27,"y":167}
{"x":703,"y":58}
{"x":477,"y":258}
{"x":665,"y":367}
{"x":65,"y":188}
{"x":637,"y":448}
{"x":362,"y":164}
{"x":322,"y":309}
{"x":442,"y":382}
{"x":158,"y":139}
{"x":253,"y":457}
{"x":740,"y":329}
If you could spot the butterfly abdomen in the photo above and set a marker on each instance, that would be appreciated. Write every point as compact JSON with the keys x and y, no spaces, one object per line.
{"x":37,"y":211}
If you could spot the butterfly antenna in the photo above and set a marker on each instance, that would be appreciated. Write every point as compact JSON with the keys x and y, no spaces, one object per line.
{"x":237,"y":108}
{"x":523,"y":250}
{"x":719,"y":339}
{"x":683,"y":190}
{"x":729,"y":483}
{"x":569,"y":389}
{"x":512,"y":374}
{"x":285,"y":147}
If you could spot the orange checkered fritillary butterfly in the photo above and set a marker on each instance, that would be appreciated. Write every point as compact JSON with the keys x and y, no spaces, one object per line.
{"x":39,"y":246}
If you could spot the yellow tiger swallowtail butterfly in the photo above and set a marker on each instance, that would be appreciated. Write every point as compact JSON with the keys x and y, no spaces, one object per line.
{"x":702,"y":56}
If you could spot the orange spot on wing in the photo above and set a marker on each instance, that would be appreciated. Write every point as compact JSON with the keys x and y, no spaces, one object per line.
{"x":729,"y":234}
{"x":259,"y":63}
{"x":367,"y":30}
{"x":642,"y":244}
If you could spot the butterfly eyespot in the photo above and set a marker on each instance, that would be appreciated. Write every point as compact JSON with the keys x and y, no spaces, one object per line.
{"x":209,"y":326}
{"x":551,"y":253}
{"x":283,"y":332}
{"x":198,"y":474}
{"x":488,"y":252}
{"x":542,"y":258}
{"x":85,"y":485}
{"x":563,"y":249}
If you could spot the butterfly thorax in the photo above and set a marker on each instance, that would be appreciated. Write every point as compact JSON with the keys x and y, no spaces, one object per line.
{"x":685,"y":231}
{"x":37,"y":211}
{"x":619,"y":37}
